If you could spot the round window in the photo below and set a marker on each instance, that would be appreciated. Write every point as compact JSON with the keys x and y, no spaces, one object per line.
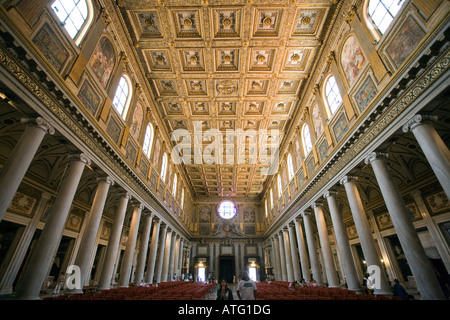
{"x":227,"y":209}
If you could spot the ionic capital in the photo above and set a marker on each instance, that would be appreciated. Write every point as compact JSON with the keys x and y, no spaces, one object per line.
{"x":375,"y":156}
{"x":106,"y":179}
{"x":418,"y":119}
{"x":348,"y":179}
{"x":138,"y":205}
{"x":40,"y":123}
{"x":317,"y":204}
{"x":330,"y":193}
{"x":80,"y":157}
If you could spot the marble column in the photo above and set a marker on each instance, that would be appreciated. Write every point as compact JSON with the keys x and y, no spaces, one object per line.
{"x":87,"y":245}
{"x":216,"y":260}
{"x":6,"y":284}
{"x":172,"y":257}
{"x":294,"y":254}
{"x":276,"y":253}
{"x":284,"y":274}
{"x":180,"y":257}
{"x":142,"y":257}
{"x":237,"y":268}
{"x":42,"y":255}
{"x":313,"y":257}
{"x":433,"y":147}
{"x":162,"y":245}
{"x":167,"y":252}
{"x":330,"y":268}
{"x":365,"y":234}
{"x":149,"y":275}
{"x":343,"y":243}
{"x":438,"y":238}
{"x":176,"y":254}
{"x":128,"y":255}
{"x":287,"y":255}
{"x":20,"y":158}
{"x":113,"y":244}
{"x":243,"y":264}
{"x":211,"y":259}
{"x":418,"y":261}
{"x":304,"y":262}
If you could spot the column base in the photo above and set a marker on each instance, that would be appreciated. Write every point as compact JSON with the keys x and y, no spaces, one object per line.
{"x":6,"y":291}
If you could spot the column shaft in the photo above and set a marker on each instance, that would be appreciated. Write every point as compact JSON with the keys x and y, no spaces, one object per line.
{"x":330,"y":268}
{"x":20,"y":159}
{"x":42,"y":255}
{"x":128,"y":256}
{"x":87,"y":245}
{"x":165,"y":268}
{"x":415,"y":254}
{"x":365,"y":234}
{"x":304,"y":262}
{"x":153,"y":249}
{"x":287,"y":255}
{"x":433,"y":147}
{"x":113,"y":244}
{"x":284,"y":273}
{"x":294,"y":255}
{"x":312,"y":249}
{"x":171,"y":257}
{"x":6,"y":285}
{"x":139,"y":274}
{"x":343,"y":244}
{"x":162,"y":247}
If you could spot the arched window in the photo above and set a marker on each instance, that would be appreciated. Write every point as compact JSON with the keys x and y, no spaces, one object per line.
{"x":306,"y":138}
{"x":290,"y":166}
{"x":122,"y":97}
{"x":174,"y":185}
{"x":75,"y":15}
{"x":271,"y":198}
{"x":182,"y":199}
{"x":148,"y":139}
{"x":164,"y":167}
{"x":332,"y":94}
{"x":265,"y":207}
{"x":382,"y":12}
{"x":279,"y":186}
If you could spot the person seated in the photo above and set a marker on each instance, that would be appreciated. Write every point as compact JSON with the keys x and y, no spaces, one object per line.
{"x":399,"y":291}
{"x":142,"y":283}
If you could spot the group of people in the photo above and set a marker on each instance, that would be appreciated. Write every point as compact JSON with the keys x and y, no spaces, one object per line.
{"x":294,"y":284}
{"x":245,"y":290}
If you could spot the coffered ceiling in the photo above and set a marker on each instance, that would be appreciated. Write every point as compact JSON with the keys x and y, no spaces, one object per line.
{"x":230,"y":65}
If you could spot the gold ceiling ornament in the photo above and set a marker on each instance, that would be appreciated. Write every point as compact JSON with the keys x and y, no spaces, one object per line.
{"x":197,"y":86}
{"x":306,"y":20}
{"x":226,"y":87}
{"x":187,"y":23}
{"x":193,"y":59}
{"x":261,"y":58}
{"x":227,"y":58}
{"x":159,"y":58}
{"x":226,"y":22}
{"x":316,"y":89}
{"x":256,"y":85}
{"x":295,"y":57}
{"x":149,"y":22}
{"x":267,"y":21}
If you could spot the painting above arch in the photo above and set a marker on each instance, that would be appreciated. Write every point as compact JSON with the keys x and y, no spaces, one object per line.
{"x":103,"y":60}
{"x":317,"y":121}
{"x":138,"y":115}
{"x":352,"y":59}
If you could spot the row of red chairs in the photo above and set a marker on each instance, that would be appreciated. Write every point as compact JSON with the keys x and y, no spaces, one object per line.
{"x":177,"y":290}
{"x":279,"y":290}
